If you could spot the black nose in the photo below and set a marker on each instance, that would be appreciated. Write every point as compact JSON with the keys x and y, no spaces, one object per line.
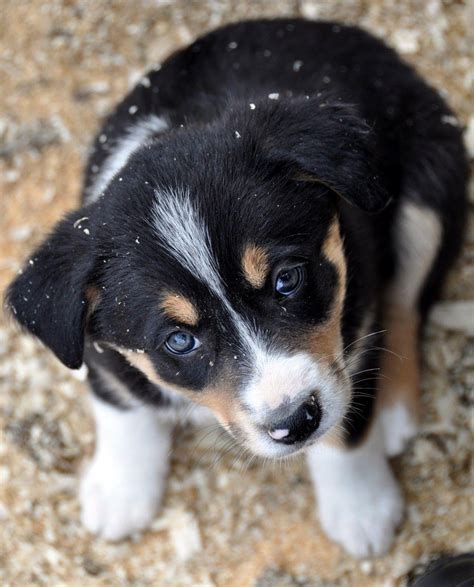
{"x":299,"y":425}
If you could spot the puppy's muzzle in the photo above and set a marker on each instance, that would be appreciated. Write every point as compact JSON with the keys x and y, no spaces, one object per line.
{"x":299,"y":425}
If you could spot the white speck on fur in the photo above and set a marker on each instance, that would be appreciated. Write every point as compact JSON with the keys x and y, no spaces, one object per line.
{"x":450,"y":119}
{"x":80,"y":221}
{"x":274,"y":96}
{"x":97,"y":347}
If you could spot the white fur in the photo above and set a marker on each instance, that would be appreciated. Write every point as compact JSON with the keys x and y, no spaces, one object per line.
{"x":122,"y":489}
{"x":418,"y":232}
{"x":279,"y":378}
{"x":178,"y":222}
{"x":398,"y":428}
{"x":134,"y":138}
{"x":289,"y":378}
{"x":360,"y":505}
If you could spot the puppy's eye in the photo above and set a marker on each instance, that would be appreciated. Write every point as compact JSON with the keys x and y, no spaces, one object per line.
{"x":289,"y":281}
{"x":181,"y":343}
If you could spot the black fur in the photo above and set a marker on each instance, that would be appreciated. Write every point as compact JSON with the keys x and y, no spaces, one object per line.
{"x":48,"y":296}
{"x":354,"y":132}
{"x":100,"y":359}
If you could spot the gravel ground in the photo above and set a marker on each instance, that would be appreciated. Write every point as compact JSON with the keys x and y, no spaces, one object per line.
{"x":63,"y":65}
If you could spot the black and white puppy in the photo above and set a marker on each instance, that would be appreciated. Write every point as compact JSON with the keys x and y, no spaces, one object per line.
{"x":262,"y":216}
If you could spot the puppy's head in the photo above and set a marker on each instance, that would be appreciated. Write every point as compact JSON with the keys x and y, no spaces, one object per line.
{"x":215,"y":263}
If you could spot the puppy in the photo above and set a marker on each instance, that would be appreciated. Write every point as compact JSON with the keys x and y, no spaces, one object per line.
{"x":265,"y":222}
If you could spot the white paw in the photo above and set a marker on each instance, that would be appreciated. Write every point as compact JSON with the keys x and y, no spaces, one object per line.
{"x":117,"y":503}
{"x":362,"y":516}
{"x":399,"y":427}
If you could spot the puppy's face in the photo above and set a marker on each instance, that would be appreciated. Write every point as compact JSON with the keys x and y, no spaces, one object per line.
{"x":238,"y":311}
{"x":216,"y":267}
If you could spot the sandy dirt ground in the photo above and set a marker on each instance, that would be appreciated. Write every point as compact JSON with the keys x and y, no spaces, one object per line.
{"x":224,"y":522}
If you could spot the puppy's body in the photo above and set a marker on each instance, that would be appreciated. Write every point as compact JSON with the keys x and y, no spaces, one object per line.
{"x":265,"y":154}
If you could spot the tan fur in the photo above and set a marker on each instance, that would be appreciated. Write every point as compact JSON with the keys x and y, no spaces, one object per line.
{"x":400,"y":378}
{"x":92,"y":295}
{"x":255,"y":265}
{"x":218,"y":399}
{"x":179,"y":308}
{"x":418,"y":233}
{"x":222,"y":404}
{"x":326,"y":340}
{"x":142,"y":362}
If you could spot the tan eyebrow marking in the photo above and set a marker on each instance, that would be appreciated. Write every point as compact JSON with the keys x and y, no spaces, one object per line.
{"x":255,"y":265}
{"x":179,"y":308}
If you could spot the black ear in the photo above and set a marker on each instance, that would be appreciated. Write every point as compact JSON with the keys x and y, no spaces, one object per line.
{"x":328,"y":143}
{"x":48,"y":295}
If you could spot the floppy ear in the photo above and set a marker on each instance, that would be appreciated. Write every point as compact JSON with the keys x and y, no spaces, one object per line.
{"x":48,"y":295}
{"x":327,"y":143}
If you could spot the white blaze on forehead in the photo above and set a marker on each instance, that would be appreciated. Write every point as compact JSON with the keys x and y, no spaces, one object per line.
{"x":179,"y":224}
{"x":177,"y":221}
{"x":133,"y":138}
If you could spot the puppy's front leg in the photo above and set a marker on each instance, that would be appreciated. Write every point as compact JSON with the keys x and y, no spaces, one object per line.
{"x":122,"y":489}
{"x":360,"y":505}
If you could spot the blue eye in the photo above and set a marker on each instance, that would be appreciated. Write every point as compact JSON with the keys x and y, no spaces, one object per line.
{"x":289,"y":281}
{"x":181,"y":343}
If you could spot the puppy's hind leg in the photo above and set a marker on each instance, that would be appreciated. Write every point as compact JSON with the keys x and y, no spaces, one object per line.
{"x":417,"y":237}
{"x":122,"y":489}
